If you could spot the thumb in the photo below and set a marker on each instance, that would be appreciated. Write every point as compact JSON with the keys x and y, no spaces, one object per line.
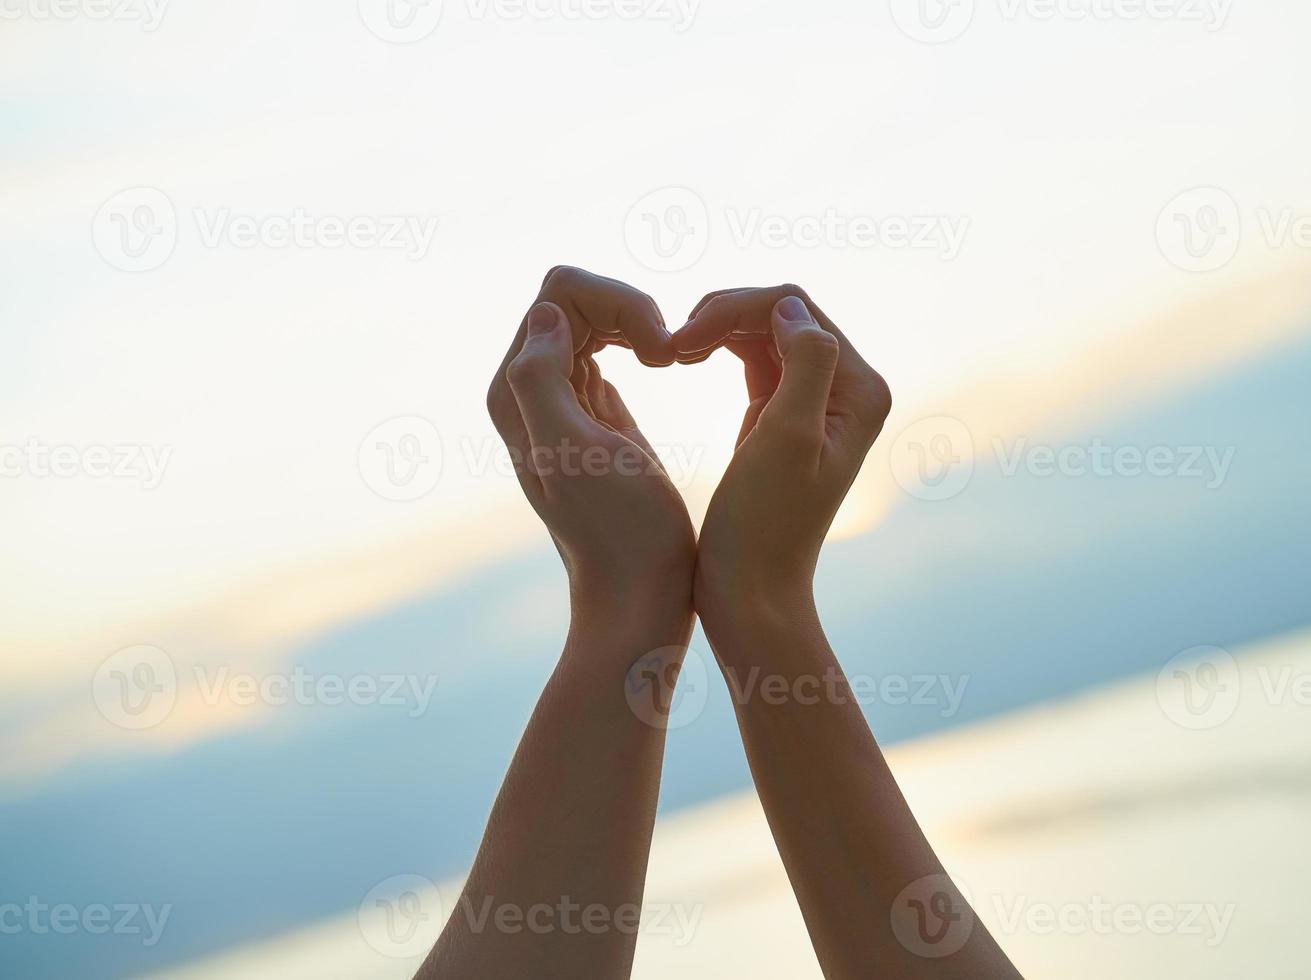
{"x":539,"y":377}
{"x":810,"y":357}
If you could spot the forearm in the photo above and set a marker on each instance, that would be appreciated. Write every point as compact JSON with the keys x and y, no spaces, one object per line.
{"x":844,"y":830}
{"x":569,"y":833}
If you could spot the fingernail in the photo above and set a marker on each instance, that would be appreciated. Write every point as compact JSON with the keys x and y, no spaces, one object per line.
{"x":542,"y":318}
{"x":794,"y":310}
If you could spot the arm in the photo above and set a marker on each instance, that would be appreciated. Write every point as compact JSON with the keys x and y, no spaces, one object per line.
{"x":556,"y":888}
{"x":875,"y":898}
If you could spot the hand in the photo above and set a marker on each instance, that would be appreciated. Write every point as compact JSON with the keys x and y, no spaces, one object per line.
{"x":619,"y":524}
{"x":573,"y":820}
{"x":849,"y":841}
{"x":815,"y":409}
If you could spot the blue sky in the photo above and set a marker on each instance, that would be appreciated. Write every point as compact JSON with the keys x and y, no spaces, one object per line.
{"x":1029,"y":589}
{"x":1067,"y":317}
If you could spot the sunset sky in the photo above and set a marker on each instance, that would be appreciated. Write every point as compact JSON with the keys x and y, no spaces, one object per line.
{"x":1060,"y":152}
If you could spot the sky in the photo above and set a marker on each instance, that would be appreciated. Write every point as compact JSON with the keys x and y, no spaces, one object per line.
{"x":261,"y":370}
{"x":1109,"y":217}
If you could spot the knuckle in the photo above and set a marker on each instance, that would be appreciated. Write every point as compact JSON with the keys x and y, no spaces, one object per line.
{"x":792,"y":289}
{"x":561,"y":276}
{"x":525,"y":372}
{"x":817,"y":345}
{"x":497,"y":396}
{"x":720,"y":308}
{"x":877,"y":397}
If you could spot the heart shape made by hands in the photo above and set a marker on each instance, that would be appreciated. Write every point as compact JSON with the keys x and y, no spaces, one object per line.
{"x":606,"y":312}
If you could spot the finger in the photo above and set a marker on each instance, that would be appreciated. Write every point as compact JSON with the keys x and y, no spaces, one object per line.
{"x":718,"y":317}
{"x":747,"y":313}
{"x":504,"y":411}
{"x":581,"y":379}
{"x":715,"y":295}
{"x":594,"y":390}
{"x":810,"y":358}
{"x":508,"y":420}
{"x":761,"y":365}
{"x":622,"y":421}
{"x":607,"y":407}
{"x":697,"y":356}
{"x":610,"y":410}
{"x":539,"y":377}
{"x":750,"y":419}
{"x":615,"y":413}
{"x":605,"y":309}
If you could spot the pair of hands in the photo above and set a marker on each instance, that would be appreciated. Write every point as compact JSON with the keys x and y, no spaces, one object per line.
{"x":815,"y":408}
{"x":587,"y":769}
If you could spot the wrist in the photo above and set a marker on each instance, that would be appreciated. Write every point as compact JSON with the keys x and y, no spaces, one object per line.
{"x":666,"y":582}
{"x":627,"y":574}
{"x":622,"y":656}
{"x":747,"y":613}
{"x":642,"y":607}
{"x":752,"y":588}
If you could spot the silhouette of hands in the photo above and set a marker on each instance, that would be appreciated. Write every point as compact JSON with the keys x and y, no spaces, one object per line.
{"x":618,"y":522}
{"x":815,"y":409}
